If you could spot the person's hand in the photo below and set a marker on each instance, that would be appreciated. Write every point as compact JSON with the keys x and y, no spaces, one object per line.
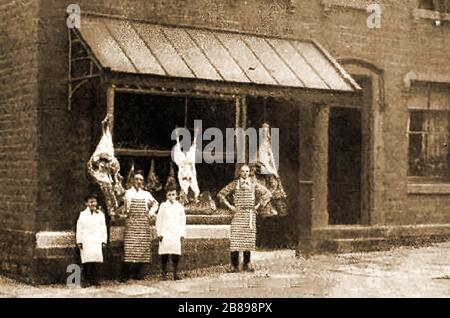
{"x":160,"y":238}
{"x":103,"y":245}
{"x":257,"y":206}
{"x":80,"y":246}
{"x":232,"y":208}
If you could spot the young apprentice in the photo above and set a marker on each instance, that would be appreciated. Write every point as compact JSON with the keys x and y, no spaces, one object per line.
{"x":171,"y":230}
{"x":91,"y":238}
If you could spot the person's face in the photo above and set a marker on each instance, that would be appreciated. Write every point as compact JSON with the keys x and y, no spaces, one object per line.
{"x":171,"y":196}
{"x":245,"y":172}
{"x":92,"y":204}
{"x":138,"y":181}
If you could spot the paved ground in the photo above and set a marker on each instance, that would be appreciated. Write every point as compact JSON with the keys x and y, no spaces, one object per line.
{"x":401,"y":272}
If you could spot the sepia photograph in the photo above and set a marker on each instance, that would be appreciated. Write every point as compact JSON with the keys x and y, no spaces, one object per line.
{"x":199,"y":150}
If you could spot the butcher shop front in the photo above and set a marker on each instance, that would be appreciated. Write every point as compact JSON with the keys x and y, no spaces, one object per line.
{"x":151,"y":79}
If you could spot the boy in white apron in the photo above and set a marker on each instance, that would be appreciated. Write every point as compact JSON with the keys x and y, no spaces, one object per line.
{"x":171,"y":230}
{"x":91,"y":238}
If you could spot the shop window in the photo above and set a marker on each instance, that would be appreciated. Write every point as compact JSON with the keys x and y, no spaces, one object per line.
{"x":143,"y":125}
{"x":143,"y":122}
{"x":428,"y":132}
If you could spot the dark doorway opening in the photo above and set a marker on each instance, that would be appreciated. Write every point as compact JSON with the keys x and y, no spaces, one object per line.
{"x":344,"y":166}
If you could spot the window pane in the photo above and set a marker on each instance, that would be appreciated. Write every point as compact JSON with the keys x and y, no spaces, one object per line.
{"x":416,"y":165}
{"x":212,"y":112}
{"x":146,"y":121}
{"x":428,"y":151}
{"x":426,"y":4}
{"x":416,"y":121}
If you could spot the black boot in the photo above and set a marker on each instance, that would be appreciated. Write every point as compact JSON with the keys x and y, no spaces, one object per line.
{"x":139,"y":273}
{"x":246,"y":265}
{"x":126,"y":271}
{"x":95,"y":280}
{"x":175,"y":261}
{"x":234,"y":262}
{"x":86,"y":275}
{"x":164,"y":261}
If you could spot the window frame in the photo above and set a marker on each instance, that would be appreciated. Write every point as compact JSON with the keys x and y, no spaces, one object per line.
{"x":151,"y":153}
{"x":426,"y":179}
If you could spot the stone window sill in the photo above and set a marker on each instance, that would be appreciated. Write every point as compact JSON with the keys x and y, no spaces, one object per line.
{"x":429,"y":188}
{"x":431,"y":15}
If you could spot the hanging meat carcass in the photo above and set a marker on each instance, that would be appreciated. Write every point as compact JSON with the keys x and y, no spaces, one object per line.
{"x":171,"y":181}
{"x":268,"y":175}
{"x":104,"y":168}
{"x":153,"y":184}
{"x":187,"y":175}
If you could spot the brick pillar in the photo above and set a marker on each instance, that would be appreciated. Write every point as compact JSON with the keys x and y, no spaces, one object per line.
{"x":319,"y":213}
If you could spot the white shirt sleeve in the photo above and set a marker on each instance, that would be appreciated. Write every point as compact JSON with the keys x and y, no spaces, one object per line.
{"x":159,"y":219}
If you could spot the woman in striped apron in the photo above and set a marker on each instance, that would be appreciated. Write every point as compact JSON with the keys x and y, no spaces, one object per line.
{"x":140,"y":206}
{"x":245,"y":193}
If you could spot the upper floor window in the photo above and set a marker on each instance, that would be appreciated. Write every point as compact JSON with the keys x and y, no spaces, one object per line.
{"x":429,"y":132}
{"x":435,"y":5}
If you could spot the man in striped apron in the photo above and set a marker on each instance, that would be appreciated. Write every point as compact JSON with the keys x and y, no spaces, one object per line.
{"x":245,"y":193}
{"x":140,"y":206}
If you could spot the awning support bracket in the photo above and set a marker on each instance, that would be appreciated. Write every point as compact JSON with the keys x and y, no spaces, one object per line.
{"x":79,"y":56}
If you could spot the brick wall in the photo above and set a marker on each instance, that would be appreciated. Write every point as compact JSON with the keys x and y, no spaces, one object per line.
{"x":401,"y":45}
{"x":18,"y":133}
{"x":44,"y":147}
{"x":63,"y":181}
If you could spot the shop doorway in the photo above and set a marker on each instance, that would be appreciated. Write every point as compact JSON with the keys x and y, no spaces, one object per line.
{"x":344,"y":166}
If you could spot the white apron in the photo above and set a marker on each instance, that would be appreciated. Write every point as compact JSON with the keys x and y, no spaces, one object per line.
{"x":91,"y":232}
{"x":171,"y":225}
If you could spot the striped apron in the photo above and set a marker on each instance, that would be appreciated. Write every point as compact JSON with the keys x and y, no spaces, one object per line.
{"x":243,"y":225}
{"x":138,"y":238}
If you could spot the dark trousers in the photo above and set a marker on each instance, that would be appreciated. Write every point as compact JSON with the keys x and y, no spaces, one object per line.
{"x":235,"y":258}
{"x":90,"y":273}
{"x":175,"y":261}
{"x":132,"y":271}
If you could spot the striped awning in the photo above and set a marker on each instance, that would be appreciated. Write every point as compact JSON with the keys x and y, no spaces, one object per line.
{"x":186,"y":52}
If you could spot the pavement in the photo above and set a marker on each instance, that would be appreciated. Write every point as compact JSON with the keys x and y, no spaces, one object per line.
{"x":400,"y":272}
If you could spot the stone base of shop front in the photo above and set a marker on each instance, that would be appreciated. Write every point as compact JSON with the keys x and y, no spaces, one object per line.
{"x":51,"y":264}
{"x":205,"y":245}
{"x":351,"y":238}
